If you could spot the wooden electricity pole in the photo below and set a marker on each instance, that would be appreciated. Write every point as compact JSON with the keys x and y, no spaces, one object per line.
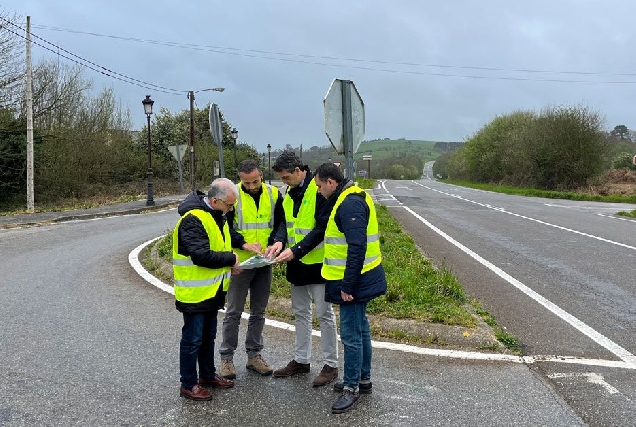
{"x":29,"y":114}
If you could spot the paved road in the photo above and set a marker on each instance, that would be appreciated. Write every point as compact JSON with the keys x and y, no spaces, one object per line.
{"x":556,"y":274}
{"x":85,"y":340}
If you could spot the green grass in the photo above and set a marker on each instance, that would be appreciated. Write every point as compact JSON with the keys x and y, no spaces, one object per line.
{"x":631,"y":214}
{"x":507,"y":340}
{"x":532,"y":192}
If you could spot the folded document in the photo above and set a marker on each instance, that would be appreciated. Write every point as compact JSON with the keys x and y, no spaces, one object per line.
{"x":254,"y":262}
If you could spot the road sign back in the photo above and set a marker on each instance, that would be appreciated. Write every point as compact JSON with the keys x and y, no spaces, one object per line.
{"x":333,"y":103}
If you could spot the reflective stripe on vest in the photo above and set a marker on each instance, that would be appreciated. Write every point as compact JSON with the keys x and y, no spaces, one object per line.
{"x":255,"y":225}
{"x":193,"y":283}
{"x":298,"y":227}
{"x":336,"y":247}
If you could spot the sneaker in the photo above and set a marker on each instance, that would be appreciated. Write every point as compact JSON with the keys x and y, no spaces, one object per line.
{"x":227,"y":369}
{"x":345,"y":402}
{"x":292,"y":368}
{"x":257,"y":364}
{"x":363,"y":388}
{"x":327,"y":375}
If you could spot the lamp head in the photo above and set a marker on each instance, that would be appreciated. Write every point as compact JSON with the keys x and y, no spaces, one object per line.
{"x":148,"y":105}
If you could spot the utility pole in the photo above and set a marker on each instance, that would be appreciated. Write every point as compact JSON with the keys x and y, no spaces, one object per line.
{"x":192,"y":180}
{"x":29,"y":114}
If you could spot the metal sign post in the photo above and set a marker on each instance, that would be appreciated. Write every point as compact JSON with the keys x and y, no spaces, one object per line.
{"x":217,"y":135}
{"x":177,"y":152}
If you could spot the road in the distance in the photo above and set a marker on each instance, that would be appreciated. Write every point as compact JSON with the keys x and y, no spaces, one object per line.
{"x":558,"y":275}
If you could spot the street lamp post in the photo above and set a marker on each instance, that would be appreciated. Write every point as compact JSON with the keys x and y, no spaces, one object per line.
{"x":269,"y":162}
{"x":147,"y":103}
{"x":234,"y":134}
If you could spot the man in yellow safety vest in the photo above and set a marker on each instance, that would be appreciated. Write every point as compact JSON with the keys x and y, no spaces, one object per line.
{"x":257,"y":226}
{"x":353,"y":269}
{"x":306,"y":215}
{"x":202,"y":261}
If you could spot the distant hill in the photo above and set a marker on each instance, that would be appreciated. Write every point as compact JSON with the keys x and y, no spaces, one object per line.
{"x":379,"y":148}
{"x":384,"y":148}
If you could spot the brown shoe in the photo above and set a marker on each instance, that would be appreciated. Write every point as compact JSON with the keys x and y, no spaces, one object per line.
{"x":327,"y":375}
{"x":292,"y":368}
{"x":258,"y":364}
{"x":217,"y":382}
{"x":197,"y":393}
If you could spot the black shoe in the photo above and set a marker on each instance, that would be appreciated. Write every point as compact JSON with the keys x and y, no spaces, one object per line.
{"x":345,"y":401}
{"x":363,"y":388}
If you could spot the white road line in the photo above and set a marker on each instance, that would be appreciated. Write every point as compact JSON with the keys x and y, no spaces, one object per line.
{"x":538,"y":221}
{"x":133,"y":259}
{"x":616,"y":217}
{"x":591,"y":377}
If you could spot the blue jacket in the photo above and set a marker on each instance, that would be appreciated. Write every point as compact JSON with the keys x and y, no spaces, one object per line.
{"x":352,"y":218}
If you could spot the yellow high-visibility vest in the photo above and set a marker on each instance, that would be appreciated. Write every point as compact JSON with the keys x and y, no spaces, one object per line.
{"x":193,"y":283}
{"x":335,"y":261}
{"x":298,"y":227}
{"x":255,"y":225}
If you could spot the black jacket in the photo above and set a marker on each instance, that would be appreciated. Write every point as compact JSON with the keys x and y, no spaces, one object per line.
{"x":352,"y":218}
{"x":194,"y":242}
{"x":299,"y":274}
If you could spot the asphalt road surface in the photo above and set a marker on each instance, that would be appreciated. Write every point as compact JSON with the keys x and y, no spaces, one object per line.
{"x":84,"y":339}
{"x":556,"y":274}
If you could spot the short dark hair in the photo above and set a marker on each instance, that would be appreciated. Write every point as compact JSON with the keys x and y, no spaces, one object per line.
{"x":329,"y":170}
{"x":247,"y":166}
{"x":288,"y":161}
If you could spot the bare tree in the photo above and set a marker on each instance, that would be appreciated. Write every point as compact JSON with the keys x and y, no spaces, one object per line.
{"x":12,"y":64}
{"x":58,"y":92}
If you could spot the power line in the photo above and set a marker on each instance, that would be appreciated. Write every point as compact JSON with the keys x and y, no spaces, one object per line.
{"x":92,"y":65}
{"x":251,"y":52}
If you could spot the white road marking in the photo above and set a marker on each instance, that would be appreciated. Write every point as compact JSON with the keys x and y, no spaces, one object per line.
{"x":591,"y":377}
{"x":595,"y":336}
{"x":581,"y":207}
{"x":538,"y":221}
{"x":133,"y":259}
{"x":617,"y":217}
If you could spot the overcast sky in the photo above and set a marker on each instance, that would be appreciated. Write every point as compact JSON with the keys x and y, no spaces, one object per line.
{"x":425,"y":70}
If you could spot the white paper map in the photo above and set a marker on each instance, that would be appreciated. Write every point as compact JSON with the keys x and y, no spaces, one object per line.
{"x":254,"y":262}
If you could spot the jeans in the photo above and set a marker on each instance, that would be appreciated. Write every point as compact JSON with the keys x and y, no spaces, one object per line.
{"x":302,"y":297}
{"x":197,"y":344}
{"x":258,"y":282}
{"x":356,"y":339}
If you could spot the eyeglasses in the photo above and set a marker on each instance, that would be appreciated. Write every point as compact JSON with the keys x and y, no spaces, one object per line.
{"x":230,"y":206}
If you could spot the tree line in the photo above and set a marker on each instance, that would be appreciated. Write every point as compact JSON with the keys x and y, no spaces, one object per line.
{"x":558,"y":148}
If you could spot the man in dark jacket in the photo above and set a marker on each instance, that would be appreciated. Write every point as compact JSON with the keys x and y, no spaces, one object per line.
{"x":353,"y":269}
{"x":202,"y":261}
{"x":306,"y":215}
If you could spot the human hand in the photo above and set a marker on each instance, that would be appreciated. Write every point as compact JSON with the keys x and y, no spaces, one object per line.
{"x":236,"y":271}
{"x":253,"y":247}
{"x":345,"y":296}
{"x":273,"y":250}
{"x":286,"y":255}
{"x":236,"y":260}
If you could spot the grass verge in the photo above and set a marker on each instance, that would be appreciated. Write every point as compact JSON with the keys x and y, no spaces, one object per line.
{"x":532,"y":192}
